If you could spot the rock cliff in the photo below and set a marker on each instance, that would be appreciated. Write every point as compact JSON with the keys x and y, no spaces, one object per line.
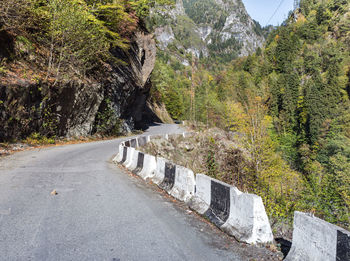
{"x":75,"y":107}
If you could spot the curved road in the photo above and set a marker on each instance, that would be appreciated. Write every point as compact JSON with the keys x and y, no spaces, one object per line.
{"x":100,"y":211}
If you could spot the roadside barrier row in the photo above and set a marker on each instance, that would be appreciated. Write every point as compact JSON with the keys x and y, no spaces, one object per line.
{"x":315,"y":239}
{"x":239,"y":214}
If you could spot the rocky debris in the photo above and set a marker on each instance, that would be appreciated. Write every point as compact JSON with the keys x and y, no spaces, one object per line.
{"x":7,"y":149}
{"x":193,"y":152}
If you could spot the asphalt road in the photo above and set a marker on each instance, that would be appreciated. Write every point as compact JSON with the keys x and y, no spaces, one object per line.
{"x":100,"y":212}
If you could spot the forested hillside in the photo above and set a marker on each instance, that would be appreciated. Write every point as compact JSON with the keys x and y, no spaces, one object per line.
{"x":290,"y":100}
{"x":73,"y":67}
{"x":219,"y":29}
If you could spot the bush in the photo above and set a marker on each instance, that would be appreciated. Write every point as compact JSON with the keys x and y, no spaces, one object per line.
{"x":37,"y":139}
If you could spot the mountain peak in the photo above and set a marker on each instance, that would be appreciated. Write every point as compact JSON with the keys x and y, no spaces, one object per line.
{"x":220,"y":28}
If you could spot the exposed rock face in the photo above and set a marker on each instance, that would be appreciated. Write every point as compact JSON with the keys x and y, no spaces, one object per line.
{"x":128,"y":86}
{"x":211,"y":27}
{"x":165,"y":36}
{"x":65,"y":110}
{"x":70,"y":108}
{"x":75,"y":107}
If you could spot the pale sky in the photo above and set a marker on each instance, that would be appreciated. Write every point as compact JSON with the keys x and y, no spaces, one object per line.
{"x":262,"y":10}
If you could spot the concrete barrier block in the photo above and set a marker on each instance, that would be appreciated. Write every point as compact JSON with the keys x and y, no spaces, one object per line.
{"x":241,"y":215}
{"x":247,"y":221}
{"x":119,"y":156}
{"x":139,"y":163}
{"x":160,"y":171}
{"x":184,"y":184}
{"x":134,"y":159}
{"x":149,"y":167}
{"x":122,"y":156}
{"x":142,"y":141}
{"x":133,"y":143}
{"x":220,"y":203}
{"x":169,"y":176}
{"x":201,"y":200}
{"x":130,"y":154}
{"x":212,"y":199}
{"x":315,"y":239}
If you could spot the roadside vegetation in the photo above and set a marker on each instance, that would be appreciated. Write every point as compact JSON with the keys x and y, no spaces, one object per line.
{"x":70,"y":37}
{"x":48,"y":45}
{"x":289,"y":105}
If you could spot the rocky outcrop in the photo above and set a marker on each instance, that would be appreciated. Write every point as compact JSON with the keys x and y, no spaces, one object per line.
{"x":128,"y":86}
{"x":74,"y":107}
{"x":212,"y":27}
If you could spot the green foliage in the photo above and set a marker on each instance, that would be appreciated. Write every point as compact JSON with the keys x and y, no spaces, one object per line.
{"x":106,"y":122}
{"x":77,"y":34}
{"x":205,"y":12}
{"x":49,"y":123}
{"x":76,"y":37}
{"x":142,"y":7}
{"x":3,"y":70}
{"x":211,"y":164}
{"x":171,"y":88}
{"x":224,"y":51}
{"x":290,"y":101}
{"x":184,"y":32}
{"x":305,"y":87}
{"x":37,"y":139}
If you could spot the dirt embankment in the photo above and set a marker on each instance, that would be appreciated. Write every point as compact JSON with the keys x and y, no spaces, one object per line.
{"x":213,"y":152}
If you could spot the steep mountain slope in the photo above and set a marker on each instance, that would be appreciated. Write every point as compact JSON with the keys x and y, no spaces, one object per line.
{"x":216,"y":28}
{"x":291,"y":102}
{"x":68,"y":68}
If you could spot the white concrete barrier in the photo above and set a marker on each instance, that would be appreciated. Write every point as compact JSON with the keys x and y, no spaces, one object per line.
{"x":201,"y":200}
{"x":315,"y":239}
{"x":129,"y":157}
{"x":143,"y":140}
{"x":133,"y":143}
{"x":160,"y":171}
{"x":184,"y":184}
{"x":212,"y":199}
{"x":149,"y":167}
{"x":119,"y":156}
{"x":133,"y":162}
{"x":248,"y":221}
{"x":241,"y":215}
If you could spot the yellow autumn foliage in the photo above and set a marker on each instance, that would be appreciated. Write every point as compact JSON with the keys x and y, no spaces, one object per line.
{"x":274,"y":180}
